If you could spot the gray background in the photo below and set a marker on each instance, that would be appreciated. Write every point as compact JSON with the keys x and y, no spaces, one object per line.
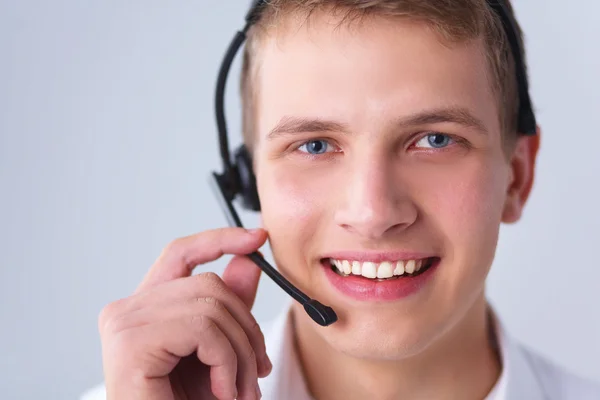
{"x":107,"y":137}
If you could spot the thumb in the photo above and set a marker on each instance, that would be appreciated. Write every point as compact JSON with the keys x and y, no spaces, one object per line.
{"x":241,"y":275}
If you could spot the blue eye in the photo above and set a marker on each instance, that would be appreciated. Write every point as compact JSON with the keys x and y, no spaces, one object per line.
{"x":434,"y":140}
{"x":314,"y":147}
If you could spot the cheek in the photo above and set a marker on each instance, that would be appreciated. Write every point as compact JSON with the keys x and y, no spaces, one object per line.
{"x":291,"y":204}
{"x":468,"y":209}
{"x":285,"y":197}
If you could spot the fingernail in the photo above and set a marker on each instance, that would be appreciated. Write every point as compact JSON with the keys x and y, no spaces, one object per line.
{"x":258,"y":392}
{"x":254,"y":231}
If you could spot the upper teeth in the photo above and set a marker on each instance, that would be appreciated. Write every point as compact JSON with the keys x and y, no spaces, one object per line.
{"x":373,"y":270}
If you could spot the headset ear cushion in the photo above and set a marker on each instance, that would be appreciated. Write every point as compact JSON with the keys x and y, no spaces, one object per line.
{"x":247,"y":180}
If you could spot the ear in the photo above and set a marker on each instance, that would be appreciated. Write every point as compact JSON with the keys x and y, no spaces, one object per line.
{"x":522,"y":165}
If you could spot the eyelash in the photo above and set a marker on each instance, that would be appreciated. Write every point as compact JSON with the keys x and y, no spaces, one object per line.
{"x":455,"y":141}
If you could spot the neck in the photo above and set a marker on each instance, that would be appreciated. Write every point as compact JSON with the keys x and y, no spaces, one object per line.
{"x":463,"y":363}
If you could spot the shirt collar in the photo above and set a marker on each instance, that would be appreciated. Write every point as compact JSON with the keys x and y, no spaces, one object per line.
{"x":517,"y":379}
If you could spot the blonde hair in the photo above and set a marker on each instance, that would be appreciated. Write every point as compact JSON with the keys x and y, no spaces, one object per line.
{"x":454,"y":20}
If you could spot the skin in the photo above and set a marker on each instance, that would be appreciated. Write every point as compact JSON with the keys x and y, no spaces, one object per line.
{"x":379,"y":186}
{"x":181,"y":337}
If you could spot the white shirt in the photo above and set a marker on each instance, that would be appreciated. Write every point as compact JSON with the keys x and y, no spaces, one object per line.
{"x":525,"y":375}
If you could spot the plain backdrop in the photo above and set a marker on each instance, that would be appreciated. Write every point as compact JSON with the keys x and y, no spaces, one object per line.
{"x":107,"y":137}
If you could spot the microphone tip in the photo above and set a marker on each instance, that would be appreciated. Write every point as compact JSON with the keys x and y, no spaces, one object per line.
{"x":321,"y":314}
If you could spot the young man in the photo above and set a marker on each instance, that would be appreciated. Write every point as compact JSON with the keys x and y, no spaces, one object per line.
{"x":385,"y":146}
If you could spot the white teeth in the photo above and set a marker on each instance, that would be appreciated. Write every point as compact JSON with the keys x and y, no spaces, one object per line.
{"x":355,"y":268}
{"x":369,"y":270}
{"x":338,"y":265}
{"x":346,"y":267}
{"x":399,"y":268}
{"x":418,"y":265}
{"x":385,"y":270}
{"x":373,"y":270}
{"x":410,"y":266}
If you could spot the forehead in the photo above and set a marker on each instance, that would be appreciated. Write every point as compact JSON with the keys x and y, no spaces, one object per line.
{"x":368,"y":73}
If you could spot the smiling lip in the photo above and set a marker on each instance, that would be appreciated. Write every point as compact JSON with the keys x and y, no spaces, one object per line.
{"x":364,"y":289}
{"x":377,"y":257}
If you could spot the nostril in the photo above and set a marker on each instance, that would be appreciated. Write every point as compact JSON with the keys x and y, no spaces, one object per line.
{"x":374,"y":230}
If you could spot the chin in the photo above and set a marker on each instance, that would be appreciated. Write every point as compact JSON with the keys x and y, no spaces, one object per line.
{"x":381,"y":336}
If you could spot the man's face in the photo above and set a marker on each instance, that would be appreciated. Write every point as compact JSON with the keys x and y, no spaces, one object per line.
{"x":378,"y":157}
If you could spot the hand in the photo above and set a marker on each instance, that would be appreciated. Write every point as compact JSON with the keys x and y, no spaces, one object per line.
{"x":189,"y":337}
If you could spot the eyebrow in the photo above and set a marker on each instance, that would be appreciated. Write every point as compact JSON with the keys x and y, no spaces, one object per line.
{"x":292,"y":125}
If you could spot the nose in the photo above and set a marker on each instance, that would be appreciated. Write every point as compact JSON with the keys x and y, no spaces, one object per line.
{"x":375,"y":200}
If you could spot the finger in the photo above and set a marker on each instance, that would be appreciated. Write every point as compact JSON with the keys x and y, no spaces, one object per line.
{"x":216,"y":351}
{"x":158,"y":348}
{"x":247,"y":374}
{"x":181,"y":257}
{"x":242,"y":276}
{"x":215,"y":310}
{"x":192,"y":290}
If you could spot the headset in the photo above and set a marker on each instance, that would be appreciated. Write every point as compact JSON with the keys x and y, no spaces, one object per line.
{"x":238,"y":181}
